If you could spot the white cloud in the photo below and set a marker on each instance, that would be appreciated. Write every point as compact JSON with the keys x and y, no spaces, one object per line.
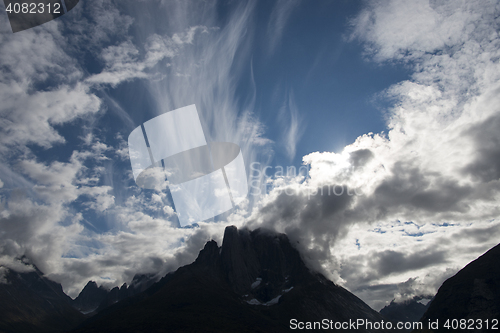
{"x":16,"y":265}
{"x":102,"y":198}
{"x":124,"y":62}
{"x":437,"y":167}
{"x":34,"y":230}
{"x":31,"y":58}
{"x":93,"y":25}
{"x":407,"y":31}
{"x":168,"y":210}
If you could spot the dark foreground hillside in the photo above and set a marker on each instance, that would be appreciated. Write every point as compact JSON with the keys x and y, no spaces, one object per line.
{"x":31,"y":303}
{"x":472,"y":295}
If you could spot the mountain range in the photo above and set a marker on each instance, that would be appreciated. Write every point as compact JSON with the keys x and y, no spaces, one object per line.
{"x":256,"y":281}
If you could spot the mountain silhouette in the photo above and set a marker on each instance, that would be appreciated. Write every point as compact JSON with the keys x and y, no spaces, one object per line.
{"x":90,"y":298}
{"x":29,"y":302}
{"x":255,"y":282}
{"x":407,"y":311}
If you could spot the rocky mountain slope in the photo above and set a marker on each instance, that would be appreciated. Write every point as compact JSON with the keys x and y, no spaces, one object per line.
{"x":93,"y":299}
{"x":90,"y":298}
{"x":29,"y":302}
{"x":410,"y":310}
{"x":473,"y":294}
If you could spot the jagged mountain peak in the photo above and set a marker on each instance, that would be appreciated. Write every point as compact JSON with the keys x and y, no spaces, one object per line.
{"x":254,"y":282}
{"x":259,"y":263}
{"x":90,"y":297}
{"x":208,"y":253}
{"x":409,"y":310}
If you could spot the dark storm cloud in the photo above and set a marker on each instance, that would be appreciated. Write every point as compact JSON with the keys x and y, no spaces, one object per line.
{"x":375,"y":294}
{"x":363,"y":270}
{"x":486,"y":136}
{"x":324,"y":205}
{"x":477,"y":235}
{"x":410,"y":187}
{"x":407,"y":288}
{"x":389,"y":262}
{"x":314,"y":209}
{"x":311,"y":220}
{"x":378,"y":295}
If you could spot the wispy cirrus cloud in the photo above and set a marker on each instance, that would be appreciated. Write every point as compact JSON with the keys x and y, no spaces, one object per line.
{"x":279,"y":17}
{"x":293,"y":125}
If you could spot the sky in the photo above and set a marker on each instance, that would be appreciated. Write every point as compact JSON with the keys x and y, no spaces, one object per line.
{"x":391,"y":107}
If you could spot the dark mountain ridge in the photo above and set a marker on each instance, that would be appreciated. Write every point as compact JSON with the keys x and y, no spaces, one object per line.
{"x":93,"y":299}
{"x":32,"y":303}
{"x":255,"y":282}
